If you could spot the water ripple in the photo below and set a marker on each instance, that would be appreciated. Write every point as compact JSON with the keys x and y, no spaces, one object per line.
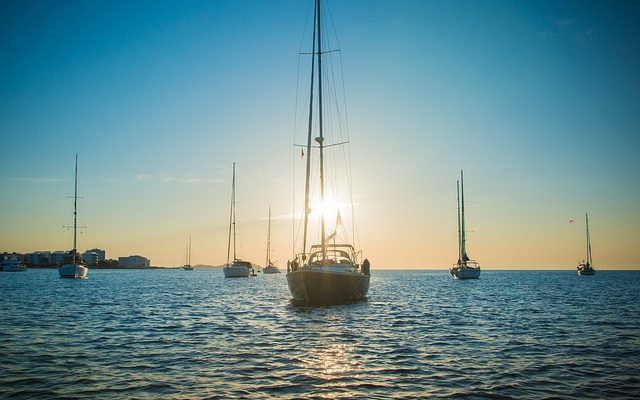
{"x":174,"y":334}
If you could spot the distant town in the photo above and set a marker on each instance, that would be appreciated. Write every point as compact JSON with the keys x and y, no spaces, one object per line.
{"x":95,"y":258}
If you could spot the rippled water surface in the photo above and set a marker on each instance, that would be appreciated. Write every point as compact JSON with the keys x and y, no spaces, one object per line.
{"x":175,"y":334}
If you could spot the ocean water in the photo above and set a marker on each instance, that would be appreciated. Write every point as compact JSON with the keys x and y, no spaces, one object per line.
{"x":174,"y":334}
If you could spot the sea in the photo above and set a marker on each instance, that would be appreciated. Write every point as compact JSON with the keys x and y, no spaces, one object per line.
{"x":175,"y":334}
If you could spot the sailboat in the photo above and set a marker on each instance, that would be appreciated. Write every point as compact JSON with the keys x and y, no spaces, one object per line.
{"x":270,"y":267}
{"x":464,"y":268}
{"x":329,"y":272}
{"x":238,"y":268}
{"x":73,"y":266}
{"x":187,"y":266}
{"x":586,"y":268}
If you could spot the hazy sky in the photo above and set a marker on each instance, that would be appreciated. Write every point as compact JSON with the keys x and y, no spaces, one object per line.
{"x":538,"y":102}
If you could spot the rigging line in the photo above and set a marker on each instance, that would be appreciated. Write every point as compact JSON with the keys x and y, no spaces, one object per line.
{"x":335,"y":32}
{"x":306,"y":25}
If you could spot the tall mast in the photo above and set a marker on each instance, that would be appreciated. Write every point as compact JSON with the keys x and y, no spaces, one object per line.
{"x":307,"y":208}
{"x":233,"y":204}
{"x":320,"y":138}
{"x":459,"y":229}
{"x":75,"y":212}
{"x":463,"y":241}
{"x":232,"y":216}
{"x":589,"y":261}
{"x":189,"y":250}
{"x":268,"y":261}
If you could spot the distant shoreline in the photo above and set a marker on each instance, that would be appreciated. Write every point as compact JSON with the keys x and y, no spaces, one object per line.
{"x":152,"y":267}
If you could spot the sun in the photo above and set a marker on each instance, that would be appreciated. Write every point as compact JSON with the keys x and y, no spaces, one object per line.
{"x":328,"y":208}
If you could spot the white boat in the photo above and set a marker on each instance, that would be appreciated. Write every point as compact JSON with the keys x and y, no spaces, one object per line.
{"x":329,"y":272}
{"x":187,"y":265}
{"x":73,"y":266}
{"x":464,"y":268}
{"x":12,"y":265}
{"x":238,"y":268}
{"x":270,"y":268}
{"x":586,"y":267}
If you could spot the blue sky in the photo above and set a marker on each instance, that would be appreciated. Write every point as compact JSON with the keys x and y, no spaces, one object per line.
{"x":537,"y":101}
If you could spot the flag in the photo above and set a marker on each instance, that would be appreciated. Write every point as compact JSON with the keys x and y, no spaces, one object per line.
{"x":302,"y":153}
{"x":338,"y":219}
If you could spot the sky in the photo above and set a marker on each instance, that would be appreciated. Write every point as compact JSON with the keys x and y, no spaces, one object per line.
{"x":537,"y":101}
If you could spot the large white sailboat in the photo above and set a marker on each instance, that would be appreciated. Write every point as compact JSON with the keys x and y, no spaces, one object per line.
{"x":73,"y":266}
{"x":464,"y":268}
{"x":586,"y":267}
{"x":328,"y":272}
{"x":238,"y":268}
{"x":270,"y":267}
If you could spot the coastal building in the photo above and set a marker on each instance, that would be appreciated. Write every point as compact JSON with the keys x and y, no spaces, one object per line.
{"x":94,"y":256}
{"x":38,"y":258}
{"x":56,"y":257}
{"x":134,"y":262}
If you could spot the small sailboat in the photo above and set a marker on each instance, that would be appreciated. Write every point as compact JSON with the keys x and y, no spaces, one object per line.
{"x":270,"y":267}
{"x":329,"y":272}
{"x":12,"y":265}
{"x":464,"y":268}
{"x":187,"y":265}
{"x":73,"y":266}
{"x":238,"y":268}
{"x":586,"y":268}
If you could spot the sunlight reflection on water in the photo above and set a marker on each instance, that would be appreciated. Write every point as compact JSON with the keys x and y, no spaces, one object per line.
{"x":191,"y":335}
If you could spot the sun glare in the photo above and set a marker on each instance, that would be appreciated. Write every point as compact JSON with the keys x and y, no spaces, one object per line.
{"x":328,"y":208}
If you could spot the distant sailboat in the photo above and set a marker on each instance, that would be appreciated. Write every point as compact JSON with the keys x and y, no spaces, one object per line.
{"x":187,"y":265}
{"x":238,"y":268}
{"x":586,"y":268}
{"x":329,"y":273}
{"x":464,"y":268}
{"x":73,"y":266}
{"x":270,"y":267}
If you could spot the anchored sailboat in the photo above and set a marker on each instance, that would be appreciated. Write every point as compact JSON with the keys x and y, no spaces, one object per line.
{"x":586,"y":268}
{"x":238,"y":268}
{"x":73,"y":266}
{"x":464,"y":268}
{"x":187,"y":265}
{"x":329,"y":272}
{"x":270,"y":267}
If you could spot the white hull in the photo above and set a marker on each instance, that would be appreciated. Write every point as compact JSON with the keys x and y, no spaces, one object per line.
{"x":73,"y":271}
{"x":271,"y":269}
{"x":465,"y":272}
{"x":236,"y":271}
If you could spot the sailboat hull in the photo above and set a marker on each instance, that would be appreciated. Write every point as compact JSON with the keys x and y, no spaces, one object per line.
{"x":317,"y":287}
{"x":465,"y":272}
{"x":76,"y":271}
{"x":236,"y":271}
{"x":586,"y":271}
